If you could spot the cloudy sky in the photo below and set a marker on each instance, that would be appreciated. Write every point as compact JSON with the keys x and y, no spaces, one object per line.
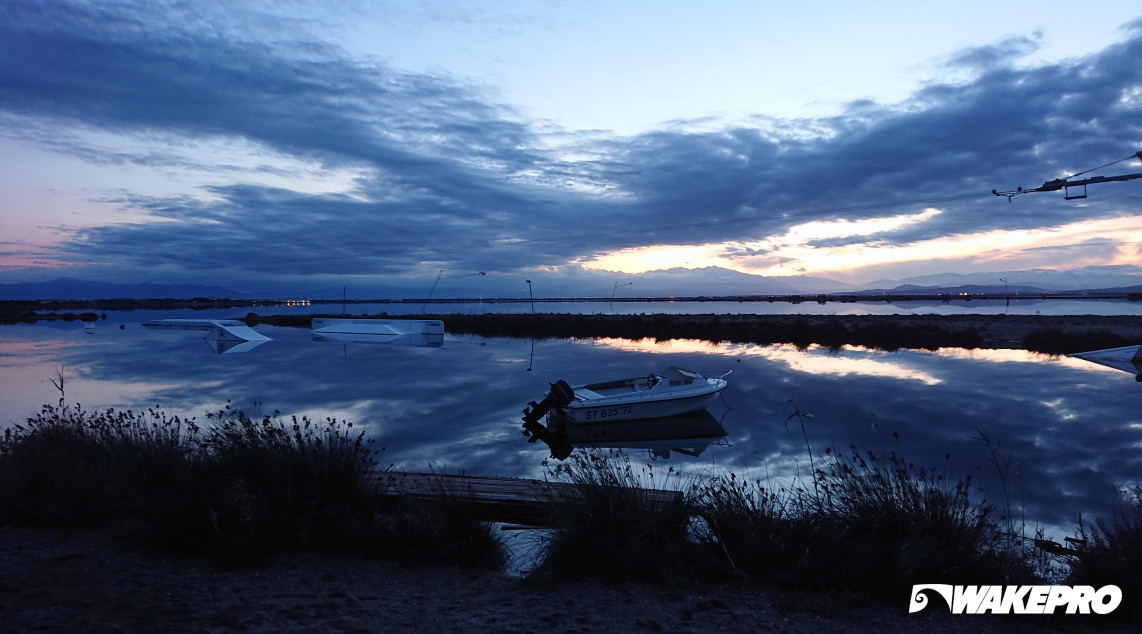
{"x":374,"y":144}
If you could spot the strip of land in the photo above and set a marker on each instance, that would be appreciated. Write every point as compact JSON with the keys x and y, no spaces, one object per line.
{"x":65,"y":581}
{"x":1050,"y":334}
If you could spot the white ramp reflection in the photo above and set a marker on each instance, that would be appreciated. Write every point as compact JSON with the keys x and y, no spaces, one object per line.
{"x":224,"y":336}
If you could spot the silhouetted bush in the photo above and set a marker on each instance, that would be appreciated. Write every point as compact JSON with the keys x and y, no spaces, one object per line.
{"x":869,"y":524}
{"x":620,"y":529}
{"x":1110,"y":552}
{"x":238,"y":489}
{"x":67,"y":467}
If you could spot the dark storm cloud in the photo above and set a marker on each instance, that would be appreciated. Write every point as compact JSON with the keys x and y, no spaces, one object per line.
{"x":84,"y":65}
{"x":452,"y":178}
{"x":275,"y":231}
{"x":1005,"y":128}
{"x":439,"y":151}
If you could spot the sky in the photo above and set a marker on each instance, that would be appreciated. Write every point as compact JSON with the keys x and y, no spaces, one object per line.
{"x":582,"y":145}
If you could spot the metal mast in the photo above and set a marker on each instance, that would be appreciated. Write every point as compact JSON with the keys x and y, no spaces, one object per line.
{"x":1066,"y":183}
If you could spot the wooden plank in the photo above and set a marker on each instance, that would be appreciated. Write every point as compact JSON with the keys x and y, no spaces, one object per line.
{"x":495,"y":499}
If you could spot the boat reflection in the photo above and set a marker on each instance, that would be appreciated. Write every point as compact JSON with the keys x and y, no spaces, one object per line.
{"x":688,"y":434}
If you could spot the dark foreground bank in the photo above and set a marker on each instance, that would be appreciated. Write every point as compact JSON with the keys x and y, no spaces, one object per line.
{"x":67,"y":581}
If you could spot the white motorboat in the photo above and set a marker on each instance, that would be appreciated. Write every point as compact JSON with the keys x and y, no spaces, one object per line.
{"x":673,"y":392}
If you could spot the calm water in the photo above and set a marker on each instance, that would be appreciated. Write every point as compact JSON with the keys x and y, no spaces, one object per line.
{"x":1072,"y":430}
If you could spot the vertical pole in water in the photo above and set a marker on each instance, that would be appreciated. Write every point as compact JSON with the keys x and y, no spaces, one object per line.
{"x":425,"y":307}
{"x":531,"y":359}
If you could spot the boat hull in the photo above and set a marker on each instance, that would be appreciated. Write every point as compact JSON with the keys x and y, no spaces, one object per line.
{"x":642,"y":404}
{"x":611,"y":412}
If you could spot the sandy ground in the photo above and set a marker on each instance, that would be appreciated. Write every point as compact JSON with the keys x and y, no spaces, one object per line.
{"x":53,"y":581}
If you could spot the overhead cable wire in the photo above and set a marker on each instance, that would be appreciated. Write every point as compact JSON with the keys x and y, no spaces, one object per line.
{"x":1065,"y":183}
{"x":1136,"y":155}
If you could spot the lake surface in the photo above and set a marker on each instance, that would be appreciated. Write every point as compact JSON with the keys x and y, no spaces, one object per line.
{"x":1071,"y":430}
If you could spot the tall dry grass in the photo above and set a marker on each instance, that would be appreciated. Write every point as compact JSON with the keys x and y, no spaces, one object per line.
{"x":620,"y":527}
{"x":237,"y":488}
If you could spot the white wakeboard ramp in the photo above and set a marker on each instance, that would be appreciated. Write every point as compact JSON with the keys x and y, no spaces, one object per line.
{"x":1126,"y":359}
{"x":393,"y":332}
{"x":224,"y":336}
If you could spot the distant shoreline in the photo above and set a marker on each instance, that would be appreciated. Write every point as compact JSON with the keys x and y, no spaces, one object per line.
{"x":1049,"y":334}
{"x":10,"y":308}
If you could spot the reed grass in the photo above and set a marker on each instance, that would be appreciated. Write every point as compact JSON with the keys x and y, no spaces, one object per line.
{"x":752,"y":531}
{"x":895,"y":523}
{"x":870,"y":524}
{"x":1109,"y":551}
{"x":236,"y":488}
{"x":74,"y":468}
{"x":618,"y":530}
{"x":272,"y":484}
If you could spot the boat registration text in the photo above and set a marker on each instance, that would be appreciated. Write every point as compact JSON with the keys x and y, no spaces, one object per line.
{"x":609,"y":412}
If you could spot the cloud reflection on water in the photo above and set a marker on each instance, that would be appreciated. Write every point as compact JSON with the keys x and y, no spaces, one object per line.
{"x":857,"y":361}
{"x":1072,"y":430}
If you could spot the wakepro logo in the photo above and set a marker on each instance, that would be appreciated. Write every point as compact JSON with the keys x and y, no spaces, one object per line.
{"x":1018,"y":599}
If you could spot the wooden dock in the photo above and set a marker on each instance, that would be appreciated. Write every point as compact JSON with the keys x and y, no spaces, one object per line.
{"x":509,"y":500}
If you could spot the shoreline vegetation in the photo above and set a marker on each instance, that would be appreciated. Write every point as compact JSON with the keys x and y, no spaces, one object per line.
{"x":1047,"y":334}
{"x":857,"y":528}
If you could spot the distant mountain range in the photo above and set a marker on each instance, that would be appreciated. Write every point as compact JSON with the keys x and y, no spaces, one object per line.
{"x":998,"y":289}
{"x":1047,"y":279}
{"x":708,"y":282}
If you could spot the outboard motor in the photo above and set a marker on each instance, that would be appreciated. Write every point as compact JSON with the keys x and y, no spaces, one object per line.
{"x":559,"y":396}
